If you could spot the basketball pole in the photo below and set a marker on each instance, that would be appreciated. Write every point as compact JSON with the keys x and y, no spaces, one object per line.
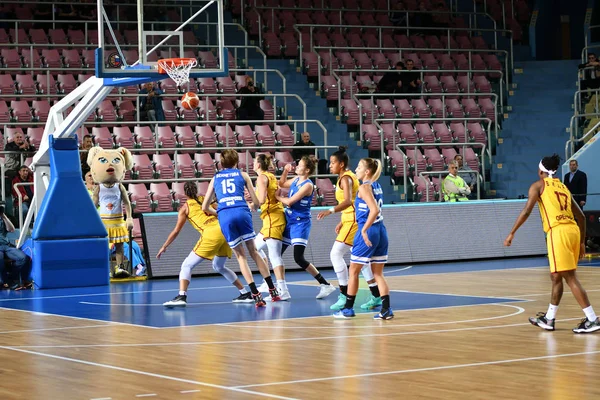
{"x":141,"y":41}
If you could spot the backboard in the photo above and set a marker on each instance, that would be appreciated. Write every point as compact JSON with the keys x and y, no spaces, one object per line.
{"x":132,"y":38}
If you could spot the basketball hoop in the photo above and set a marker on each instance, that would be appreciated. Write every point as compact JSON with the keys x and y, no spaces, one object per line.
{"x":177,"y":68}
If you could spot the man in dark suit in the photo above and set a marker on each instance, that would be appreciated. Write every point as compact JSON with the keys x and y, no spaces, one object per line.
{"x":576,"y":182}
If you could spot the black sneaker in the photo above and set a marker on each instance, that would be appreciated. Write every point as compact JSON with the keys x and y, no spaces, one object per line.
{"x":541,"y":321}
{"x":587,"y":326}
{"x":258,"y":300}
{"x":244,"y":298}
{"x":178,"y":301}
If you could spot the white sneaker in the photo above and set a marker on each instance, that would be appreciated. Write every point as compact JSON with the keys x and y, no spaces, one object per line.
{"x":325,"y":291}
{"x":263,"y":288}
{"x":283,"y":296}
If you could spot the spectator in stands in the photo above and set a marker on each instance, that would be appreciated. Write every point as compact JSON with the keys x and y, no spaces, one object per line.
{"x":454,"y":187}
{"x":8,"y":250}
{"x":576,"y":182}
{"x":411,"y":80}
{"x":391,"y":82}
{"x":422,"y":19}
{"x":20,"y":145}
{"x":297,"y":154}
{"x":250,"y":106}
{"x":26,"y":191}
{"x":90,"y":185}
{"x":151,"y":106}
{"x":465,"y":172}
{"x":86,"y":144}
{"x":591,"y":74}
{"x":399,"y":16}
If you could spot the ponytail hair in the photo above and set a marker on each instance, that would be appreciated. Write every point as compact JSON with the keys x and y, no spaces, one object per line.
{"x":374,"y":166}
{"x":191,"y":191}
{"x":264,"y":161}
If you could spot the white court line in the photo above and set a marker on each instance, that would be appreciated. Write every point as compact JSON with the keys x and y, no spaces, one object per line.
{"x":56,"y":329}
{"x":150,"y":374}
{"x":146,"y":395}
{"x":548,"y":293}
{"x":189,"y":391}
{"x":102,"y":398}
{"x":109,"y":293}
{"x":407,"y":371}
{"x":156,"y":305}
{"x":302,"y":339}
{"x":388,"y":325}
{"x":79,"y":318}
{"x":398,"y":270}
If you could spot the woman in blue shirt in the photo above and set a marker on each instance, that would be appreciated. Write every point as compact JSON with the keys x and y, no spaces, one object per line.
{"x":298,"y":217}
{"x":235,"y":219}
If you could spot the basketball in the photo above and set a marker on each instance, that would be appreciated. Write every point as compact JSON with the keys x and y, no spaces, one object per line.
{"x":190,"y":101}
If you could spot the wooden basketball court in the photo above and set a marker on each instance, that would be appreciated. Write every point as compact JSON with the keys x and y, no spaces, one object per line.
{"x":443,"y":352}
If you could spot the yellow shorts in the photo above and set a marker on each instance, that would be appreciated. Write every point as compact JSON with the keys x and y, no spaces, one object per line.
{"x":212,"y":243}
{"x":563,"y":243}
{"x":347,"y":232}
{"x":273,"y":225}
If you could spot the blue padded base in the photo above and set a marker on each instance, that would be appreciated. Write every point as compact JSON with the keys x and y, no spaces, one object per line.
{"x":70,"y":263}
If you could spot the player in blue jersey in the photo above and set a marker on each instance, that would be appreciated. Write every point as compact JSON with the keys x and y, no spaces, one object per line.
{"x":371,"y":240}
{"x":297,"y":213}
{"x":235,"y":219}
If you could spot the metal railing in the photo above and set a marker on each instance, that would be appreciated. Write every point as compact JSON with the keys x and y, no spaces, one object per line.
{"x":356,"y":97}
{"x":399,"y":147}
{"x":381,"y":29}
{"x":586,"y":35}
{"x":570,"y":144}
{"x":440,"y":173}
{"x":577,"y":99}
{"x":407,"y":50}
{"x":422,"y":72}
{"x":503,"y":10}
{"x":471,"y":15}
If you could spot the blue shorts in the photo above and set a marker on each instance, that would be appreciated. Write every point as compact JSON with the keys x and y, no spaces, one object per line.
{"x":296,"y":232}
{"x":236,"y":225}
{"x":377,"y":253}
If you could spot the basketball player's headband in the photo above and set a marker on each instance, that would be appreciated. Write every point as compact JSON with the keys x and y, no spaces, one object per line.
{"x":543,"y":169}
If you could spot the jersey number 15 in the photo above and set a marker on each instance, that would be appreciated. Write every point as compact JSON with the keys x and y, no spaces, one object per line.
{"x":228,"y":186}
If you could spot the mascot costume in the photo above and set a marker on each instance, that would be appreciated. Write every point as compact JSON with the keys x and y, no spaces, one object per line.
{"x":108,"y":170}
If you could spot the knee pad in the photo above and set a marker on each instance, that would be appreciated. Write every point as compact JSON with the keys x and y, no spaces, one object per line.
{"x":191,"y":261}
{"x":367,"y":273}
{"x":275,"y":252}
{"x":261,"y":245}
{"x":218,"y":265}
{"x":339,"y":264}
{"x":299,"y":257}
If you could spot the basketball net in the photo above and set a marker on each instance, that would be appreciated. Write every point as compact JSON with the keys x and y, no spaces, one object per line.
{"x":178,"y":69}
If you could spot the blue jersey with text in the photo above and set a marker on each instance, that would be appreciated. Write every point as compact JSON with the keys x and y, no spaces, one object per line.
{"x":229,"y":187}
{"x":362,"y":209}
{"x":300,"y":209}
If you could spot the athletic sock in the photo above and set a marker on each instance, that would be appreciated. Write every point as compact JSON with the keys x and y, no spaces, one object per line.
{"x":321,"y":280}
{"x":590,"y":314}
{"x":385,"y":300}
{"x":551,"y":313}
{"x":374,"y":289}
{"x":349,"y":301}
{"x":253,"y":288}
{"x":182,"y":293}
{"x":269,"y":281}
{"x":344,"y":289}
{"x":243,"y":290}
{"x":282,"y":285}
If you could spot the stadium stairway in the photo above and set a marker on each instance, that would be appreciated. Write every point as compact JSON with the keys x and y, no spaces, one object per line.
{"x":542,"y":108}
{"x":337,"y":134}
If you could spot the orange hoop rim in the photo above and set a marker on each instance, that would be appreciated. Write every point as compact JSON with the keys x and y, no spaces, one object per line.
{"x":174,"y":62}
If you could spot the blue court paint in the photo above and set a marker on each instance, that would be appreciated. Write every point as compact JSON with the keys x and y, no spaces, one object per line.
{"x":209,"y":298}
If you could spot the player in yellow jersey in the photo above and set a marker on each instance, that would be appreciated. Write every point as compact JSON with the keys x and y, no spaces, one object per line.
{"x":345,"y":194}
{"x":273,"y":218}
{"x":564,"y":224}
{"x":211,"y":246}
